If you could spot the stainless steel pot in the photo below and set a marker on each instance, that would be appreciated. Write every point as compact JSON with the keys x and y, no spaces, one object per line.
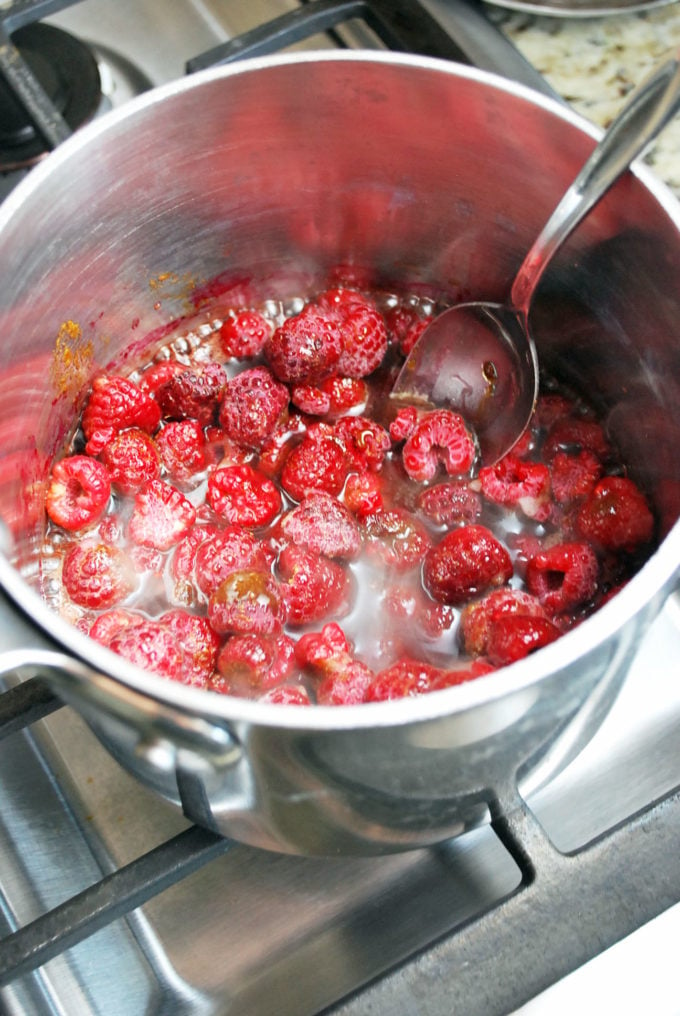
{"x":275,"y":170}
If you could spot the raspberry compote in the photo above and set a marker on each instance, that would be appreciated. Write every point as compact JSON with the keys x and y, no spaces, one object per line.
{"x":250,"y":514}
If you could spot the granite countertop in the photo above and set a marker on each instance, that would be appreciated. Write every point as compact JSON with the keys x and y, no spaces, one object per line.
{"x":594,"y":62}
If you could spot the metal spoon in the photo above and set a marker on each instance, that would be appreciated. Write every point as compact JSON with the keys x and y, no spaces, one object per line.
{"x":479,"y":358}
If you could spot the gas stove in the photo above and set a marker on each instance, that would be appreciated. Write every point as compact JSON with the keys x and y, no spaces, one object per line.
{"x":113,"y":904}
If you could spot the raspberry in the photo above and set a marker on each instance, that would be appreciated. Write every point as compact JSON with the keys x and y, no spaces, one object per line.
{"x":193,"y":394}
{"x":158,"y":373}
{"x":340,"y":300}
{"x":198,"y":641}
{"x":415,"y":613}
{"x":466,"y":563}
{"x":323,"y":651}
{"x":363,"y":494}
{"x":523,"y":485}
{"x":514,"y":636}
{"x":344,"y":394}
{"x":396,"y":538}
{"x":254,"y":403}
{"x":131,"y":459}
{"x":246,"y":601}
{"x":78,"y":493}
{"x":278,"y":445}
{"x":366,"y":441}
{"x":161,"y":516}
{"x":450,"y":504}
{"x":564,"y":576}
{"x":287,"y":695}
{"x":244,"y":334}
{"x":97,"y":576}
{"x":404,"y":679}
{"x":323,"y":525}
{"x":248,"y":663}
{"x":152,"y":646}
{"x":181,"y":446}
{"x":478,"y":618}
{"x":364,"y":339}
{"x":223,"y":552}
{"x":113,"y":405}
{"x":404,"y":423}
{"x":318,"y":462}
{"x":111,"y":622}
{"x":305,"y":349}
{"x":184,"y":556}
{"x":616,"y":515}
{"x":243,"y":496}
{"x":310,"y":399}
{"x":550,"y":408}
{"x":313,"y":587}
{"x":439,"y":436}
{"x":345,"y":687}
{"x":574,"y":475}
{"x":405,"y":326}
{"x":451,"y":678}
{"x":572,"y":434}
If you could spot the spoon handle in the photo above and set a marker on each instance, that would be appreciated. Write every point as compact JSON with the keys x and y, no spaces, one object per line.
{"x":644,"y":116}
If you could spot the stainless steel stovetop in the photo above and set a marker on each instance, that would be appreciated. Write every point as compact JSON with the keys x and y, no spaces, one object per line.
{"x":255,"y":934}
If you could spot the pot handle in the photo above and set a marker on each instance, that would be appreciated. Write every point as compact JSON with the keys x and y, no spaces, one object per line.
{"x":162,"y":730}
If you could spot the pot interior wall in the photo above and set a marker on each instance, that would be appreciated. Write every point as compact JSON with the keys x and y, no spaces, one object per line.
{"x":273,"y":174}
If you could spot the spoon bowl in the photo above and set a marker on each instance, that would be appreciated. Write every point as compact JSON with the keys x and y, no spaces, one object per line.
{"x":479,"y":358}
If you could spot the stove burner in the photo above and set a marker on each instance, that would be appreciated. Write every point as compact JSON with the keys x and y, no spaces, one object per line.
{"x":67,"y":72}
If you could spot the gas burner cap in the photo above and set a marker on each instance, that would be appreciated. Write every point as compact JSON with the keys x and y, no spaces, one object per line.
{"x":68,"y":73}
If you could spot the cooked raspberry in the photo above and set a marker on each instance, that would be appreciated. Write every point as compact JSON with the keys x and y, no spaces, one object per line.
{"x":574,"y":475}
{"x":310,"y":399}
{"x":440,"y":436}
{"x":226,"y":551}
{"x":514,"y":636}
{"x":468,"y":562}
{"x":198,"y":641}
{"x":152,"y":646}
{"x":181,"y":445}
{"x":616,"y":516}
{"x":450,"y":504}
{"x":254,"y":403}
{"x":323,"y":651}
{"x":404,"y":423}
{"x":158,"y":373}
{"x":111,"y":622}
{"x":115,"y":404}
{"x":346,"y":686}
{"x":244,"y":334}
{"x":220,"y":450}
{"x":366,"y":441}
{"x":161,"y":516}
{"x":110,"y":529}
{"x":78,"y":493}
{"x":461,"y":675}
{"x":550,"y":408}
{"x":415,"y":614}
{"x":364,"y":339}
{"x":563,"y":576}
{"x":574,"y":434}
{"x":313,"y":587}
{"x":318,"y":462}
{"x":363,"y":494}
{"x":322,"y":524}
{"x":243,"y":496}
{"x":132,"y":460}
{"x":287,"y":695}
{"x":184,"y":555}
{"x":247,"y":601}
{"x":305,"y":349}
{"x":278,"y":445}
{"x":345,"y":394}
{"x":147,"y":560}
{"x":525,"y":445}
{"x":478,"y":617}
{"x":396,"y":538}
{"x":194,"y":394}
{"x":342,"y":299}
{"x":405,"y":326}
{"x":519,"y":484}
{"x":255,"y":663}
{"x":404,"y":679}
{"x":97,"y":576}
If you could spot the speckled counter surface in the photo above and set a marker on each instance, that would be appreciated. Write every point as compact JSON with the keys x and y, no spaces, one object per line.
{"x":594,"y":63}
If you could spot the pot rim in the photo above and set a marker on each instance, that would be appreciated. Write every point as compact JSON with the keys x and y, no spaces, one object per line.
{"x":653,"y":582}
